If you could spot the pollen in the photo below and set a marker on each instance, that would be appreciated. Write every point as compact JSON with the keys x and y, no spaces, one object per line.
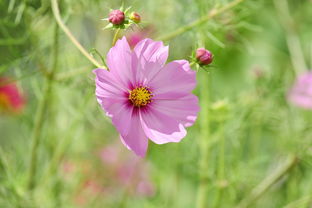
{"x":140,"y":96}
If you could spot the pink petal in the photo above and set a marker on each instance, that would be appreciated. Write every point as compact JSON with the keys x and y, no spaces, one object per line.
{"x":161,"y":128}
{"x":121,"y":114}
{"x":107,"y":85}
{"x":152,"y":51}
{"x":151,"y":56}
{"x":174,"y":80}
{"x":111,"y":96}
{"x":136,"y":140}
{"x":184,"y":109}
{"x":119,"y":110}
{"x":122,"y":62}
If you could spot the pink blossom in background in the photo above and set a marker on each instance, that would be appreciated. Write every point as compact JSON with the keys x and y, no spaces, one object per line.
{"x":139,"y":34}
{"x":145,"y":188}
{"x":109,"y":155}
{"x":11,"y":98}
{"x":301,"y":92}
{"x":145,"y":97}
{"x":128,"y":170}
{"x":110,"y":172}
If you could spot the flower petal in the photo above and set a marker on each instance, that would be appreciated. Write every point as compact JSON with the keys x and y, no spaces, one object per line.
{"x":161,"y":128}
{"x":174,"y":80}
{"x":152,"y":51}
{"x":107,"y":85}
{"x":112,"y":98}
{"x":136,"y":140}
{"x":151,"y":56}
{"x":184,"y":109}
{"x":121,"y":62}
{"x":121,"y":114}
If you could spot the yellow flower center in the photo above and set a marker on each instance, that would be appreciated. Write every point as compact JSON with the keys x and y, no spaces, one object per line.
{"x":140,"y":96}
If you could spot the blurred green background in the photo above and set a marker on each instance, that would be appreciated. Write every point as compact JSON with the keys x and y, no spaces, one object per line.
{"x":255,"y":132}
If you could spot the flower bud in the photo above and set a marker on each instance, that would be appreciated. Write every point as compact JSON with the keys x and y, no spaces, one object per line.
{"x":135,"y":17}
{"x":116,"y":17}
{"x":203,"y":56}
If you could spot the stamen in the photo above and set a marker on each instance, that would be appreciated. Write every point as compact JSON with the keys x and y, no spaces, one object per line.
{"x":140,"y":96}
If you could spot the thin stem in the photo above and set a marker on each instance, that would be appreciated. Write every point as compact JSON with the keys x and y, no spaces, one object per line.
{"x":116,"y":36}
{"x":293,"y":42}
{"x":302,"y":202}
{"x":221,"y":164}
{"x":221,"y":153}
{"x":192,"y":64}
{"x":56,"y":12}
{"x":39,"y":117}
{"x":269,"y":181}
{"x":203,"y":143}
{"x":213,"y":13}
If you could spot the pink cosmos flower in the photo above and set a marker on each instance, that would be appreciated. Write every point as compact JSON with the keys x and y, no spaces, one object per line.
{"x":301,"y":92}
{"x":144,"y":97}
{"x":11,"y":98}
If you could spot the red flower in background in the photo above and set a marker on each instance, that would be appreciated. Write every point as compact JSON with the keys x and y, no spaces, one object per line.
{"x":11,"y":98}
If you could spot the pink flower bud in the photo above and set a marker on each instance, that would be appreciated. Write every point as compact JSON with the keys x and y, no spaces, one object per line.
{"x":203,"y":56}
{"x":135,"y":17}
{"x":116,"y":17}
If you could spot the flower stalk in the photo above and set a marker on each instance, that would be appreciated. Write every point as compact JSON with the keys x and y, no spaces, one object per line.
{"x":222,"y":183}
{"x":204,"y":143}
{"x":56,"y":12}
{"x":292,"y":39}
{"x":116,"y":36}
{"x":39,"y":117}
{"x":268,"y":182}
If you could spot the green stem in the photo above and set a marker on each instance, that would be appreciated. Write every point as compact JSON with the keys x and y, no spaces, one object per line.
{"x":56,"y":12}
{"x":39,"y":117}
{"x":269,"y":181}
{"x":213,"y":13}
{"x":203,"y":143}
{"x":116,"y":36}
{"x":221,"y":163}
{"x":293,"y":42}
{"x":304,"y":201}
{"x":221,"y":153}
{"x":192,"y":64}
